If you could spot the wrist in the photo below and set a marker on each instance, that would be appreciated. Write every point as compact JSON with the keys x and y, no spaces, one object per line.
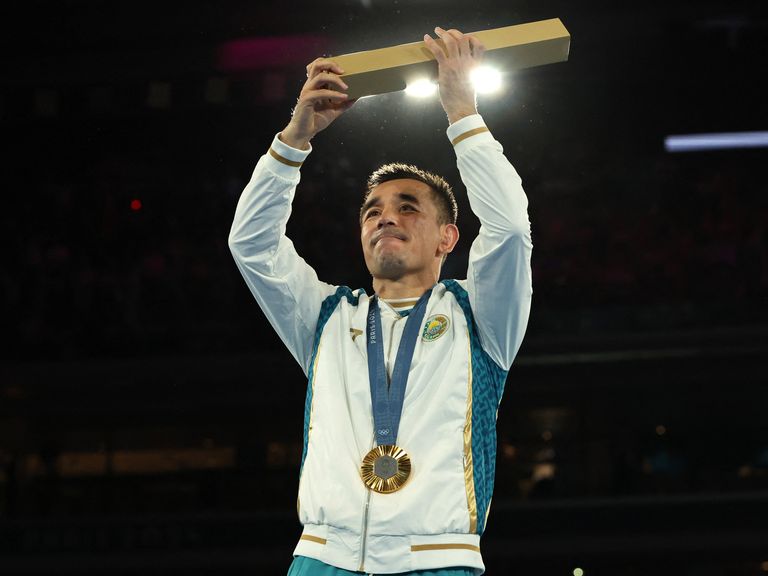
{"x":456,"y":115}
{"x":294,"y":141}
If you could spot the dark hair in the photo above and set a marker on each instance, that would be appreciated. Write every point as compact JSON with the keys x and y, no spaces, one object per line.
{"x":447,"y":210}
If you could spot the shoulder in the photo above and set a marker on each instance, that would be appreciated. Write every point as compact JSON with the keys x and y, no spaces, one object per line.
{"x":346,"y":294}
{"x":458,"y":288}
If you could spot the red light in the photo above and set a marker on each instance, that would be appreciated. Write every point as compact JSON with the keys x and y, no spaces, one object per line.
{"x":135,"y":204}
{"x":257,"y":53}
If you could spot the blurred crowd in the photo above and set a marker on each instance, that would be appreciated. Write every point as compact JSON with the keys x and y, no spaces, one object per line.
{"x":126,"y":253}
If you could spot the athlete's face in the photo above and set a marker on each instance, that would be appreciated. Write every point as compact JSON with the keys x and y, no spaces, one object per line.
{"x":400,"y":232}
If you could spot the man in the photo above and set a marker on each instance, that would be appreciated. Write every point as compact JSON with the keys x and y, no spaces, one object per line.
{"x":404,"y":386}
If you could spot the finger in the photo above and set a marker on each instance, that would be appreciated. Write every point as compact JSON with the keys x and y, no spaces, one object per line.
{"x":435,"y":48}
{"x":315,"y":96}
{"x":319,"y":64}
{"x":477,"y":47}
{"x":326,"y":80}
{"x":462,"y":42}
{"x":451,"y":47}
{"x":339,"y":108}
{"x":348,"y":104}
{"x":457,"y":34}
{"x":323,"y":65}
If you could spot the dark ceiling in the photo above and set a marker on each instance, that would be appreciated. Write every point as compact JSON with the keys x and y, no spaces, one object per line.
{"x":613,"y":214}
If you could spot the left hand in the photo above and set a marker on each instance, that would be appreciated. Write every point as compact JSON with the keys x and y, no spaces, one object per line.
{"x":462,"y":54}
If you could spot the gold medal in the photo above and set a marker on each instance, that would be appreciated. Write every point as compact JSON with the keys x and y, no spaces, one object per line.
{"x":385,"y":469}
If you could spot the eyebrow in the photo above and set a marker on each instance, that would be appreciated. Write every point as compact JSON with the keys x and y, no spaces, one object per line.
{"x":376,"y":201}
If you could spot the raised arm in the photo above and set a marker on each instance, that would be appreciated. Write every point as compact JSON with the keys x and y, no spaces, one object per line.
{"x":321,"y":101}
{"x":499,"y":274}
{"x":286,"y":287}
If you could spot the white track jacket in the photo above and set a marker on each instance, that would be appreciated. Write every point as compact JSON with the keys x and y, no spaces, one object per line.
{"x":472,"y":331}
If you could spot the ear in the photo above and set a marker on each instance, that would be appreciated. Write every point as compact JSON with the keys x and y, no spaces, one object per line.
{"x":449,"y":235}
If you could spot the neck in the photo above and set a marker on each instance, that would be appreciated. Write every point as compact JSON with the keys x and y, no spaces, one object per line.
{"x":405,"y":287}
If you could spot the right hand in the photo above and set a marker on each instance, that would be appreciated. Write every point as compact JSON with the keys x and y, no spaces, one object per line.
{"x":462,"y":54}
{"x":321,"y":101}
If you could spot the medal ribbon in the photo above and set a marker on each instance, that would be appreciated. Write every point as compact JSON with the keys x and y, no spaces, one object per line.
{"x":387,"y":401}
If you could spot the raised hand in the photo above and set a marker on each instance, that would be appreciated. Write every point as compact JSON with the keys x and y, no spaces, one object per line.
{"x":321,"y":101}
{"x":462,"y":53}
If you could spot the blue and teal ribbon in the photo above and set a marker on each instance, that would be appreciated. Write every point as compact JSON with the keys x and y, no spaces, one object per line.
{"x":387,"y":398}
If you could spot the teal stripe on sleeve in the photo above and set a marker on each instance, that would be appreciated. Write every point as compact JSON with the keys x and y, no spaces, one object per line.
{"x":488,"y":380}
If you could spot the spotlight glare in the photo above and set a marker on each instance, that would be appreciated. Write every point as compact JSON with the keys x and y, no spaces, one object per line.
{"x":486,"y":80}
{"x":421,"y":89}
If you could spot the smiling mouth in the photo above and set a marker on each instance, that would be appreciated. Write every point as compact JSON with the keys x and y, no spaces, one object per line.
{"x":387,"y":235}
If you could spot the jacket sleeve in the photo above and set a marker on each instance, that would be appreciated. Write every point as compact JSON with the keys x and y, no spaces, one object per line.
{"x":499,"y":274}
{"x":285,"y":286}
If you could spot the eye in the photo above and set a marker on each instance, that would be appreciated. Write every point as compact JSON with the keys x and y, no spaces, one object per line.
{"x":408,"y":207}
{"x":371,"y":212}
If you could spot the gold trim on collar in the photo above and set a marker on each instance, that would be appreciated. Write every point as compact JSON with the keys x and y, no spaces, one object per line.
{"x":283,"y":159}
{"x":315,"y":539}
{"x":407,"y":304}
{"x":427,"y":547}
{"x":469,"y":133}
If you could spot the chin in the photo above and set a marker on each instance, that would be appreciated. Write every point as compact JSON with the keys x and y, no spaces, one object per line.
{"x":390,"y":267}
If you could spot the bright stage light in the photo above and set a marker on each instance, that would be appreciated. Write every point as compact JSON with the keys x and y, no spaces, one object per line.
{"x":717,"y":141}
{"x":421,"y":89}
{"x":486,"y":80}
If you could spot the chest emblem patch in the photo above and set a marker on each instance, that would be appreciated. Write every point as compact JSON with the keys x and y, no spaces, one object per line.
{"x":435,"y":327}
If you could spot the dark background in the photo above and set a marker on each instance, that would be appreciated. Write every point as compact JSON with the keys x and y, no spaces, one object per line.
{"x":150,"y":419}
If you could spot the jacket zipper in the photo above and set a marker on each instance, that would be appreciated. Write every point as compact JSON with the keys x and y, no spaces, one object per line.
{"x":363,"y":543}
{"x":364,"y":531}
{"x":361,"y":568}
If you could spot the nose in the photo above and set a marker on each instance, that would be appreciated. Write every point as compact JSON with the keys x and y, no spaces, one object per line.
{"x":386,"y":218}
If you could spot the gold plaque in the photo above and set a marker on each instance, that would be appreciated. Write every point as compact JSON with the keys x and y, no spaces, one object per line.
{"x":386,"y":469}
{"x":509,"y":48}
